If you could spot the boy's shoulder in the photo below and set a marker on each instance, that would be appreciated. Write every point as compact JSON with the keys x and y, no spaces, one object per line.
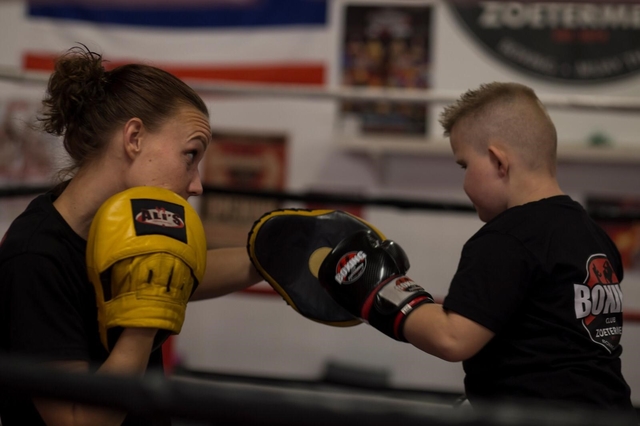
{"x":545,"y":213}
{"x":538,"y":220}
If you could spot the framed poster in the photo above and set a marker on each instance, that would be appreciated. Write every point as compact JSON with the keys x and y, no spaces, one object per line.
{"x":386,"y":46}
{"x":244,"y":161}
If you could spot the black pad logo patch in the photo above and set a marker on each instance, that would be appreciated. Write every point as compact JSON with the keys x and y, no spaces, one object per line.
{"x":155,"y":217}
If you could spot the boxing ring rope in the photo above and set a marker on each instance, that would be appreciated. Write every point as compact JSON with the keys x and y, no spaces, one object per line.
{"x":309,"y":197}
{"x":406,"y":95}
{"x":312,"y":198}
{"x":233,"y":403}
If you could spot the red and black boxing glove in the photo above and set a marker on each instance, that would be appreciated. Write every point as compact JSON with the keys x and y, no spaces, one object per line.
{"x":366,"y":275}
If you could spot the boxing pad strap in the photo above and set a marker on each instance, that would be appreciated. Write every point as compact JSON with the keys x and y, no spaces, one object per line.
{"x":389,"y":305}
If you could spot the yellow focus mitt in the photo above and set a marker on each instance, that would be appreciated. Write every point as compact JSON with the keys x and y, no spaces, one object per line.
{"x":146,"y":254}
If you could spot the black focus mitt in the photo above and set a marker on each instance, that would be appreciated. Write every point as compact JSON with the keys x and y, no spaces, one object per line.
{"x":287,"y":248}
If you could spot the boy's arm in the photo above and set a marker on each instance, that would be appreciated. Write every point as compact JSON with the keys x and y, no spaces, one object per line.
{"x":444,"y":333}
{"x":366,"y":276}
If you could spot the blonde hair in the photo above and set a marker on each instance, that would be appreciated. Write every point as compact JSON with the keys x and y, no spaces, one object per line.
{"x":509,"y":112}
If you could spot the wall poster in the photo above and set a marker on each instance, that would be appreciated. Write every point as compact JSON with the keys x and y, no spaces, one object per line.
{"x":386,"y":46}
{"x":28,"y":157}
{"x":244,"y":161}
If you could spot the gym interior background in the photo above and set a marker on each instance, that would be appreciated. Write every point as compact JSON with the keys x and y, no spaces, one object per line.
{"x":334,"y":103}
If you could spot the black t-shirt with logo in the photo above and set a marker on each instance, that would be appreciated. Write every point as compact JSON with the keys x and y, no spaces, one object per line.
{"x":47,"y":303}
{"x":546,"y":280}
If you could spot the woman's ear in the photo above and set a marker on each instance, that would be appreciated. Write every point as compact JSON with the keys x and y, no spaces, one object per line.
{"x":132,"y":136}
{"x":499,"y":159}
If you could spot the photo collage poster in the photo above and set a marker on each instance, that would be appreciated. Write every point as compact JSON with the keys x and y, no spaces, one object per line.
{"x":28,"y":156}
{"x":386,"y":47}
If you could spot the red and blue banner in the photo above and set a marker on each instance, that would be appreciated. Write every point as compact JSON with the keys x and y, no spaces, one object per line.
{"x":187,"y":13}
{"x":266,"y":41}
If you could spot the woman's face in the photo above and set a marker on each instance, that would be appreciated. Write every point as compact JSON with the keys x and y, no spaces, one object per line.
{"x":169,"y":156}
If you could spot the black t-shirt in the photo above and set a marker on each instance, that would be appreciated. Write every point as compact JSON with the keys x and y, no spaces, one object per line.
{"x":546,"y":280}
{"x":47,"y":303}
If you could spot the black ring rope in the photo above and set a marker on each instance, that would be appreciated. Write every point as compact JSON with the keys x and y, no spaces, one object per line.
{"x":596,"y":211}
{"x":233,"y":403}
{"x":308,"y":197}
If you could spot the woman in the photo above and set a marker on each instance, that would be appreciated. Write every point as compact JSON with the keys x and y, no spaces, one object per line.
{"x":135,"y":125}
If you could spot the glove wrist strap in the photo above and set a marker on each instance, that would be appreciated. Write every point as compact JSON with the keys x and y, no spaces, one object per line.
{"x":389,"y":305}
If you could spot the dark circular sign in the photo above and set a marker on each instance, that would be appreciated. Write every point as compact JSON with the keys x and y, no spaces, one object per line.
{"x":578,"y":41}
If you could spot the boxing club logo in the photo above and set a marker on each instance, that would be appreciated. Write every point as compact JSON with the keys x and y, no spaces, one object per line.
{"x":598,"y":302}
{"x":155,"y":217}
{"x":350,"y":267}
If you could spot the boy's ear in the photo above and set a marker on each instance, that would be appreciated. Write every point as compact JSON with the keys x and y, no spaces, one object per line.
{"x":132,"y":136}
{"x":499,"y":159}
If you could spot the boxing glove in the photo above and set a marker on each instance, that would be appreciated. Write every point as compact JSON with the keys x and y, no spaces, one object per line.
{"x":366,"y":275}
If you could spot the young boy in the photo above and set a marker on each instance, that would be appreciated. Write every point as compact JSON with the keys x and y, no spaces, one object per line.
{"x":534,"y":311}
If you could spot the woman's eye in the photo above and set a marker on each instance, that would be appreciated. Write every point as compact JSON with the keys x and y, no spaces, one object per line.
{"x":191,"y":156}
